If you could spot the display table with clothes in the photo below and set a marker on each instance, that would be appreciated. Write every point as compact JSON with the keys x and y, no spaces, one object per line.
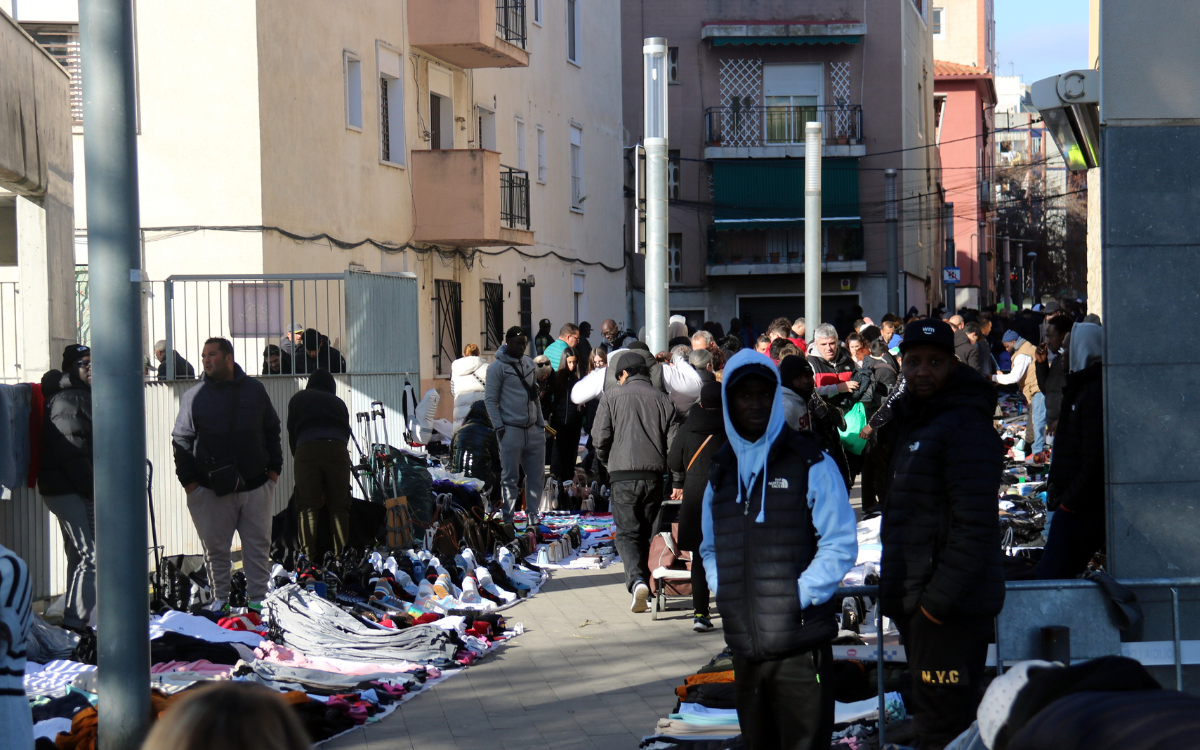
{"x":345,"y":644}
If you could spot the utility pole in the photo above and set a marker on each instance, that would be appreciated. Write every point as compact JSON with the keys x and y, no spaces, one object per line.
{"x":812,"y":228}
{"x":1033,"y":278}
{"x":1007,"y":277}
{"x":891,"y":226}
{"x":951,"y":257}
{"x":119,"y":461}
{"x":654,"y":100}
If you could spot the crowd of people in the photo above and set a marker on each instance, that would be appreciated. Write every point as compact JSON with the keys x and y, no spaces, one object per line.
{"x":758,"y":438}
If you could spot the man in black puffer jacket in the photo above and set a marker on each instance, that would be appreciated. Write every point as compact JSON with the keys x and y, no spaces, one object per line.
{"x":778,"y":537}
{"x":318,"y":424}
{"x":942,"y":577}
{"x":1077,"y":472}
{"x":474,"y":450}
{"x":65,"y":478}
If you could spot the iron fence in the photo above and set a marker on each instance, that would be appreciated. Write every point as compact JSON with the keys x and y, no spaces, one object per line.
{"x":739,"y":126}
{"x":510,"y":22}
{"x":514,"y":198}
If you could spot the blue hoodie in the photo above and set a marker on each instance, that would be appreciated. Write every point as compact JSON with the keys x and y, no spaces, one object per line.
{"x":833,"y":518}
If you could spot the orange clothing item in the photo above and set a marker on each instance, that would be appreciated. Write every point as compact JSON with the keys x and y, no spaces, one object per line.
{"x":83,"y":732}
{"x":703,"y":679}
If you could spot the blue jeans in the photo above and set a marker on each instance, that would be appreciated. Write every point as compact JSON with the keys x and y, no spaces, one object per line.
{"x":1037,"y":408}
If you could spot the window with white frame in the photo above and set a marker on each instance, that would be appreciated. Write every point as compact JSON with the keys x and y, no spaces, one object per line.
{"x":391,"y":107}
{"x":352,"y":67}
{"x":541,"y":154}
{"x":673,"y":174}
{"x":520,"y":132}
{"x":672,"y":65}
{"x":938,"y":22}
{"x":574,"y":31}
{"x":675,"y":257}
{"x":537,"y":11}
{"x":577,"y":194}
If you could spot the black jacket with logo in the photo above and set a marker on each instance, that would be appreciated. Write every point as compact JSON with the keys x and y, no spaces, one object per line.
{"x":941,"y":532}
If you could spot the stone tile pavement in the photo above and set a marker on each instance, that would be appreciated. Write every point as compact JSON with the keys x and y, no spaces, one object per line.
{"x":587,"y":674}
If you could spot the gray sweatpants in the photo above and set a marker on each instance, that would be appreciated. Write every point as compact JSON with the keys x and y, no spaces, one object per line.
{"x":522,"y":448}
{"x":75,"y":517}
{"x":247,"y":513}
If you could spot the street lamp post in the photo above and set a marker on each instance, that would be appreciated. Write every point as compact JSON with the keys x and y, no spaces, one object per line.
{"x":654,"y":99}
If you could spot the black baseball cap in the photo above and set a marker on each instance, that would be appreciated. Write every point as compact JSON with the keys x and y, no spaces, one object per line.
{"x":929,"y":331}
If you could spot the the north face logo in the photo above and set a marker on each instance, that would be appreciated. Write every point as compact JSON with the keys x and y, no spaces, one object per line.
{"x":913,"y":448}
{"x":928,"y":330}
{"x":778,"y":484}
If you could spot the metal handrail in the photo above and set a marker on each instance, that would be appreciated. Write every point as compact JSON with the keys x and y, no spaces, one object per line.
{"x":740,"y":126}
{"x":510,"y":22}
{"x":514,"y":198}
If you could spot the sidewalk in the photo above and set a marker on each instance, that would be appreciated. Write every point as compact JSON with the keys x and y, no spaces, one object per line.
{"x":586,"y":675}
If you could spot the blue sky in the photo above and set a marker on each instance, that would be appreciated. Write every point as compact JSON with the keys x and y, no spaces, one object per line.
{"x":1040,"y":38}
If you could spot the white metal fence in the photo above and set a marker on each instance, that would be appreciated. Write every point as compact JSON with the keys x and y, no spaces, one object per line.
{"x":10,"y":332}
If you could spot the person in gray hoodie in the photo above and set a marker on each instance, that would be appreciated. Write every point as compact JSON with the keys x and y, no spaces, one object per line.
{"x":511,"y":395}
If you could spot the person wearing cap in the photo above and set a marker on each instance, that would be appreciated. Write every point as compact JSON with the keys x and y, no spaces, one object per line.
{"x":318,"y":354}
{"x":543,"y":340}
{"x":65,"y":478}
{"x":183,"y":368}
{"x":778,"y":537}
{"x":292,"y":341}
{"x":699,"y":438}
{"x":512,"y":395}
{"x":942,"y":570}
{"x":633,"y":433}
{"x":1024,"y":374}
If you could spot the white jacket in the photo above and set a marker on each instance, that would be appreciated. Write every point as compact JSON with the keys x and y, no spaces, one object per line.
{"x":467,"y":378}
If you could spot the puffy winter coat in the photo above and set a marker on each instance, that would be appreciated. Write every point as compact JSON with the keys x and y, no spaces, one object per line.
{"x":474,"y":450}
{"x":468,"y":377}
{"x":1077,"y":471}
{"x":941,"y":532}
{"x":700,"y":425}
{"x":842,"y":369}
{"x":67,"y":438}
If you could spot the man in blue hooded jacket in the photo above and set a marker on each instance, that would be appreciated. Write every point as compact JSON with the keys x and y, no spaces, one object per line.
{"x":779,"y":536}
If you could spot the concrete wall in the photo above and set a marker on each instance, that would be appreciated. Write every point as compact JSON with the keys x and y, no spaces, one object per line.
{"x":36,"y":165}
{"x":968,"y":33}
{"x":964,"y":151}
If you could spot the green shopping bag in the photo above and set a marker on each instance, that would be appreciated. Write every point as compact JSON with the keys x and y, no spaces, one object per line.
{"x":856,"y":420}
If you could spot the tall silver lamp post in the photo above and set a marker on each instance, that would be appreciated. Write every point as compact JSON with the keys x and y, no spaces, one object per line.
{"x":658,"y":310}
{"x":812,"y":228}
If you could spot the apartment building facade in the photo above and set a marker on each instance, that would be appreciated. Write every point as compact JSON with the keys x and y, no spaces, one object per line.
{"x":964,"y":49}
{"x":745,"y":78}
{"x":473,"y":143}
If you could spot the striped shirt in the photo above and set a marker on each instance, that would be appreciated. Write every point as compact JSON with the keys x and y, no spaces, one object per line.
{"x":15,"y":619}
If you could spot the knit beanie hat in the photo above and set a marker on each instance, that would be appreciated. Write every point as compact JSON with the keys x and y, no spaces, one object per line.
{"x":792,"y":366}
{"x":1009,"y":335}
{"x":998,"y":701}
{"x":72,"y":354}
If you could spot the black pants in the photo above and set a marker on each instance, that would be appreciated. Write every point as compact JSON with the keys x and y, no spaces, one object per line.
{"x":785,"y":703}
{"x":566,"y":449}
{"x":1074,"y":539}
{"x":635,"y":506}
{"x":947,"y":663}
{"x":699,"y":586}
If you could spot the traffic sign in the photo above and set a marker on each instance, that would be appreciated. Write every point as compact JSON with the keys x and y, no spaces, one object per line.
{"x":951,"y":275}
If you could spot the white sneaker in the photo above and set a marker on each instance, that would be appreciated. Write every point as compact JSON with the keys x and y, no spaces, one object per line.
{"x":641,"y":592}
{"x":487,"y":584}
{"x":405,"y":582}
{"x":470,"y":591}
{"x":216,"y":605}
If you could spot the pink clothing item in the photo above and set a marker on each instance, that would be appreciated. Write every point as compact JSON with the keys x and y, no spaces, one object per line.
{"x":268,"y":651}
{"x":204,"y":667}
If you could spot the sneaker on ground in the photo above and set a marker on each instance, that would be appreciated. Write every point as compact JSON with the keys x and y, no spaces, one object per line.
{"x":216,"y":605}
{"x":701,"y":623}
{"x":641,"y":592}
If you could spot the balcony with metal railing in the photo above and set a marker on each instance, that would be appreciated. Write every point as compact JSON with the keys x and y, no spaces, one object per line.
{"x":471,"y":33}
{"x":465,"y":198}
{"x":739,"y":132}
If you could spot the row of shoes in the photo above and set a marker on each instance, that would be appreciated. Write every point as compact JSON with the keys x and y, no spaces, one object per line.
{"x":555,"y":551}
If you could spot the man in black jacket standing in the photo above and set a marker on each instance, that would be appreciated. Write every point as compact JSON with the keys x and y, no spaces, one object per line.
{"x":942,"y":577}
{"x":318,"y":426}
{"x":644,"y":418}
{"x":227,"y":457}
{"x":1050,"y":365}
{"x":778,"y":537}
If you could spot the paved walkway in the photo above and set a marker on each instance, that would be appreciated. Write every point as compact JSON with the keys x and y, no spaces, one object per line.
{"x":587,"y":674}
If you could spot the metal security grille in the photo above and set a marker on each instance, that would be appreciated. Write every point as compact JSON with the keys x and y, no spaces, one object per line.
{"x":448,"y":321}
{"x":385,"y":127}
{"x":526,"y":309}
{"x":514,"y":198}
{"x":493,"y":316}
{"x":510,"y":21}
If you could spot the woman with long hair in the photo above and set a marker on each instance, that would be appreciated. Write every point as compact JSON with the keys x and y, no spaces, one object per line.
{"x":566,"y":418}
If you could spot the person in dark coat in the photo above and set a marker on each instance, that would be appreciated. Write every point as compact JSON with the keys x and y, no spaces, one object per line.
{"x":318,"y":354}
{"x":475,"y":451}
{"x":318,"y":425}
{"x":699,"y":438}
{"x":942,"y":575}
{"x":566,"y":419}
{"x":183,"y":368}
{"x":1051,"y":364}
{"x":276,"y":361}
{"x":65,"y":478}
{"x":1076,"y":486}
{"x":965,"y":350}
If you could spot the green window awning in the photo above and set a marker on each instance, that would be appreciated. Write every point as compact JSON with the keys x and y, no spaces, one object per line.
{"x":724,"y":41}
{"x":769,"y":193}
